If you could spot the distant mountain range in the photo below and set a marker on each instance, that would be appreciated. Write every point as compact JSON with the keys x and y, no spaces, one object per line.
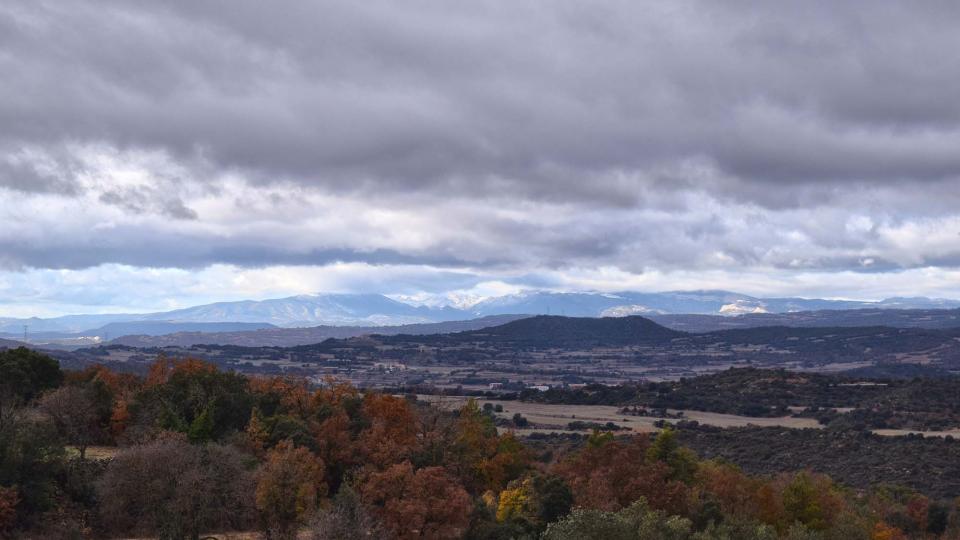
{"x":304,"y":310}
{"x":9,"y":344}
{"x":681,"y":302}
{"x":368,"y":310}
{"x":290,"y":337}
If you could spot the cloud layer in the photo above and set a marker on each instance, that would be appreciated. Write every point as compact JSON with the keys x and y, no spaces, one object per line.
{"x":554,"y":141}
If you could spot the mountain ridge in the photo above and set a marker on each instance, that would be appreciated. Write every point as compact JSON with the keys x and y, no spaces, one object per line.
{"x":291,"y":337}
{"x":380,"y":310}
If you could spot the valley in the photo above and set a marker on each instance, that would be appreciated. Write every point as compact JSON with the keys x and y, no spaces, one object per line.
{"x":557,"y":351}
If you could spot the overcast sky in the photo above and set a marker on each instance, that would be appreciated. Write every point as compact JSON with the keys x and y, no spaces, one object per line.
{"x":161,"y":154}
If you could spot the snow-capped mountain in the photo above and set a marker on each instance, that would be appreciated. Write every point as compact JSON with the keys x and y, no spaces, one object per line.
{"x":380,"y":310}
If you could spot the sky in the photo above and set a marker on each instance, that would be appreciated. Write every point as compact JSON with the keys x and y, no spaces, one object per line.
{"x":156,"y":155}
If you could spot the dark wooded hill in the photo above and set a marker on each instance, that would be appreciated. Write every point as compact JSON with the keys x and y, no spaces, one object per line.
{"x":826,"y":344}
{"x":896,"y":318}
{"x":10,"y":344}
{"x":556,"y":331}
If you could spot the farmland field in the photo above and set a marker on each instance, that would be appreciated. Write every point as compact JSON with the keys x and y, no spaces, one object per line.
{"x":548,"y":418}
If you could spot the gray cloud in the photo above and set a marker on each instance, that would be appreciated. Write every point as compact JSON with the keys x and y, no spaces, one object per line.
{"x":511,"y":136}
{"x":141,"y":199}
{"x":519,"y":97}
{"x":24,"y":173}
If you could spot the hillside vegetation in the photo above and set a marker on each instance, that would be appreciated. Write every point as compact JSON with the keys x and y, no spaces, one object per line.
{"x":923,"y":404}
{"x":198,"y":449}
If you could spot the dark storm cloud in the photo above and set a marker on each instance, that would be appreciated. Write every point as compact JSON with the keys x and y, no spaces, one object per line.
{"x":520,"y":96}
{"x":657,"y":129}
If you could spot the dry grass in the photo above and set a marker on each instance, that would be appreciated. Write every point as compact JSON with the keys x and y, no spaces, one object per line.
{"x":901,"y":432}
{"x":303,"y":535}
{"x":554,"y":418}
{"x":96,"y":452}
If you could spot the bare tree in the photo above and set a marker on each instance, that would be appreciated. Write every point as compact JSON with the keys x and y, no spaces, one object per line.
{"x":346,"y":519}
{"x":75,"y":415}
{"x":175,"y":490}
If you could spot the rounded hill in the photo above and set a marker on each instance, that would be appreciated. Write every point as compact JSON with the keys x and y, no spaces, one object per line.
{"x":556,"y":330}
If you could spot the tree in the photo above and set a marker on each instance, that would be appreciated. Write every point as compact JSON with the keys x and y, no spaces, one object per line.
{"x":614,"y":475}
{"x":346,"y":519}
{"x":257,"y":432}
{"x":31,"y":459}
{"x":554,"y":498}
{"x":586,"y":524}
{"x":427,"y":503}
{"x":882,"y":531}
{"x":735,"y":492}
{"x":179,"y":393}
{"x":336,"y":448}
{"x":392,"y":432}
{"x":509,"y":460}
{"x":25,"y":374}
{"x":175,"y":490}
{"x":810,"y":500}
{"x":482,"y":459}
{"x":635,"y":522}
{"x":666,"y":449}
{"x":75,"y":414}
{"x":655,"y":524}
{"x":733,"y":528}
{"x":201,"y":429}
{"x":289,"y":486}
{"x":918,"y":509}
{"x":9,"y":499}
{"x":517,"y":501}
{"x":111,"y":392}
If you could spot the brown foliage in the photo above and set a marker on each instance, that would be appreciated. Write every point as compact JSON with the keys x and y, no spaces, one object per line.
{"x":334,"y":392}
{"x":392,"y":433}
{"x":416,"y":469}
{"x":427,"y":503}
{"x":918,"y":508}
{"x":292,"y":393}
{"x":335,"y":446}
{"x":614,"y":475}
{"x":172,"y":488}
{"x":509,"y":461}
{"x":734,"y":491}
{"x":119,"y":418}
{"x":882,"y":531}
{"x":9,"y":499}
{"x":289,"y":487}
{"x":75,"y":415}
{"x":119,"y":384}
{"x":163,"y":368}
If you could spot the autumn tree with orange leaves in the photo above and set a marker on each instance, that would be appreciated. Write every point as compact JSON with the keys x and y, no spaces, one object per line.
{"x":427,"y":503}
{"x":289,"y":487}
{"x":613,"y":475}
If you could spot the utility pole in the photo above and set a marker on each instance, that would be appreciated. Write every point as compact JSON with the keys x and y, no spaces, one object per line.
{"x":25,"y":329}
